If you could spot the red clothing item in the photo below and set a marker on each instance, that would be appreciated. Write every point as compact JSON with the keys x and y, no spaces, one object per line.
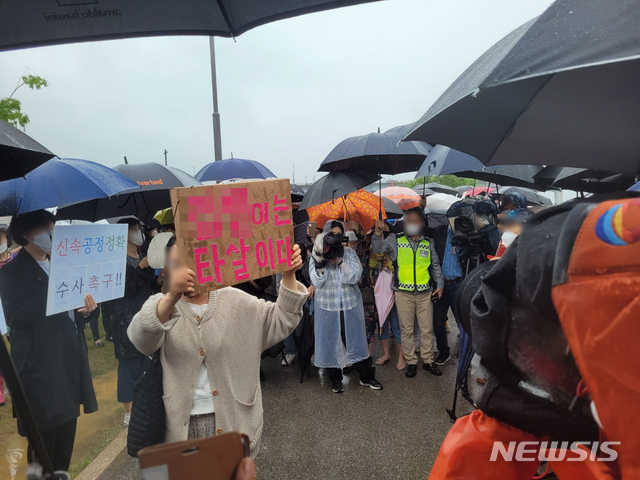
{"x":465,"y":454}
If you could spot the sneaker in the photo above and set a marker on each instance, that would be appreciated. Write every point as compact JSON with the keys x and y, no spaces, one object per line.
{"x":337,"y":387}
{"x":288,"y":359}
{"x":372,"y":384}
{"x":442,"y":359}
{"x":432,"y":369}
{"x":411,"y":371}
{"x":127,"y":419}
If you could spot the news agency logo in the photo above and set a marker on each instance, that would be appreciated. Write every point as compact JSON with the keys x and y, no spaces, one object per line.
{"x":554,"y":451}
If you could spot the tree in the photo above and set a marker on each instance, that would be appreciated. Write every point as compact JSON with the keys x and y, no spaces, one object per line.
{"x":11,"y":108}
{"x":449,"y":180}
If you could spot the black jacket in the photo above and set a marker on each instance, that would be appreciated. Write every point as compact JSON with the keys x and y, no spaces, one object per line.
{"x":49,"y":353}
{"x":140,"y":284}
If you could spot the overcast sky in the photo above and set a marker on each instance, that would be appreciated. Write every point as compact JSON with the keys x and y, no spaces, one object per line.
{"x":288,"y":91}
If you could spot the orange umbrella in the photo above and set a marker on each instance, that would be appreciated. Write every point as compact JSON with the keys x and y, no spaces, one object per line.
{"x":360,"y":206}
{"x":404,"y":197}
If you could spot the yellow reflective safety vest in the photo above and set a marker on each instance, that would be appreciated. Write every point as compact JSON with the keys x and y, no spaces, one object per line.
{"x":412,"y":267}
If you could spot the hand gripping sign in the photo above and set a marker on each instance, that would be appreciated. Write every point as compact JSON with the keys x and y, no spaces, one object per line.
{"x":234,"y":233}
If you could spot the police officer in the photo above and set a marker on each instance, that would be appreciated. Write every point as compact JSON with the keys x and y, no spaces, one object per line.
{"x":416,"y":264}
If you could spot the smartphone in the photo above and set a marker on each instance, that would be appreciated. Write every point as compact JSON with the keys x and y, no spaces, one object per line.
{"x":434,"y":298}
{"x":312,"y":230}
{"x":213,"y":458}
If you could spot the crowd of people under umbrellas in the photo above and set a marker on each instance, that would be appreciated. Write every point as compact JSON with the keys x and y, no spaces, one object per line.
{"x":339,"y":265}
{"x":558,"y":91}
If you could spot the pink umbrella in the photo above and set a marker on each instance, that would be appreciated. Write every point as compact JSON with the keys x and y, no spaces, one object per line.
{"x":384,"y":295}
{"x":404,"y":197}
{"x":477,"y":191}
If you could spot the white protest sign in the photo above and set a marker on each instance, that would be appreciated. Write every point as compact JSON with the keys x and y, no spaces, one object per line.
{"x":158,"y":249}
{"x":86,"y":259}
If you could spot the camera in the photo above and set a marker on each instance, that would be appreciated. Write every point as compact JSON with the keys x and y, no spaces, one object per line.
{"x":333,"y":245}
{"x":468,"y":218}
{"x":327,"y":246}
{"x":473,"y":226}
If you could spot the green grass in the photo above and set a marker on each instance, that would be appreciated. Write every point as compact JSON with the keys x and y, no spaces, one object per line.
{"x":101,"y":361}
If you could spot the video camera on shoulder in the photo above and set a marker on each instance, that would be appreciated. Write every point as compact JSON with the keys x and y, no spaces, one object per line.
{"x":475,"y":234}
{"x":333,"y":246}
{"x":469,"y":217}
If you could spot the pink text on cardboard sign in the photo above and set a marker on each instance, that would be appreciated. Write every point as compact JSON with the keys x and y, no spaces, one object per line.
{"x":268,"y":253}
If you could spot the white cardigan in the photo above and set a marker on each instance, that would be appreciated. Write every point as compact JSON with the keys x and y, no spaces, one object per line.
{"x":236,"y":328}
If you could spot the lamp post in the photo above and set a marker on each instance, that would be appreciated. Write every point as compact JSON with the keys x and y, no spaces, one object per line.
{"x":217,"y":137}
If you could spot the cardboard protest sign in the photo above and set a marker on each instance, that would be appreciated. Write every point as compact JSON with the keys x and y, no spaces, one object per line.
{"x":86,"y":259}
{"x":236,"y":232}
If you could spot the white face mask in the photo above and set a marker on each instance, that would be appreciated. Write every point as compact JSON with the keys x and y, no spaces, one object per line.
{"x":43,"y":241}
{"x":154,"y":233}
{"x":412,"y":229}
{"x":352,"y":237}
{"x":136,"y":238}
{"x":3,"y":247}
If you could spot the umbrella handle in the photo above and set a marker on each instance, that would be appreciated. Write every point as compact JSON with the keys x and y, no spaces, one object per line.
{"x":380,"y":191}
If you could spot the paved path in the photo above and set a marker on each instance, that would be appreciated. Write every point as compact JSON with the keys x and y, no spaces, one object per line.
{"x":312,"y":433}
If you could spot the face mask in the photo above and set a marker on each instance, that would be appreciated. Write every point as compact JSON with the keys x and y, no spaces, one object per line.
{"x":43,"y":241}
{"x":3,"y":247}
{"x":136,"y":238}
{"x":412,"y":229}
{"x":352,"y":237}
{"x":154,"y":233}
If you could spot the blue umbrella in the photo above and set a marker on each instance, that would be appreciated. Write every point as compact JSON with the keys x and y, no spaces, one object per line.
{"x":635,"y":188}
{"x":233,"y":168}
{"x":465,"y":355}
{"x":60,"y":181}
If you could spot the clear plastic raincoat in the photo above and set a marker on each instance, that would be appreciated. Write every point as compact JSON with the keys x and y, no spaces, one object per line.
{"x":337,"y":290}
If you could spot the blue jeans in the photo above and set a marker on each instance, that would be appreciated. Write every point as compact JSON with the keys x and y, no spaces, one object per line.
{"x":392,"y":320}
{"x":440,"y":311}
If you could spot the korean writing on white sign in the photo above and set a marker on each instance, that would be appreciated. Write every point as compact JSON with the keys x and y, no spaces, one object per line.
{"x":86,"y":259}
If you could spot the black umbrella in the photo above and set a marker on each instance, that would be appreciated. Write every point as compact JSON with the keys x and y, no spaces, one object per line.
{"x":592,"y":181}
{"x":66,"y":21}
{"x":304,"y":338}
{"x":423,"y":190}
{"x":447,"y":161}
{"x":391,"y":209}
{"x":506,"y":175}
{"x":19,"y":152}
{"x":560,"y":90}
{"x":376,"y":152}
{"x":547,"y":175}
{"x":155,"y":181}
{"x":335,"y":185}
{"x":438,"y":188}
{"x":297,"y":193}
{"x":533,"y":197}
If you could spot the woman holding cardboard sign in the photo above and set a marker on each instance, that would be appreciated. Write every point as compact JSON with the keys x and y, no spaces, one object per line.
{"x":210,"y":346}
